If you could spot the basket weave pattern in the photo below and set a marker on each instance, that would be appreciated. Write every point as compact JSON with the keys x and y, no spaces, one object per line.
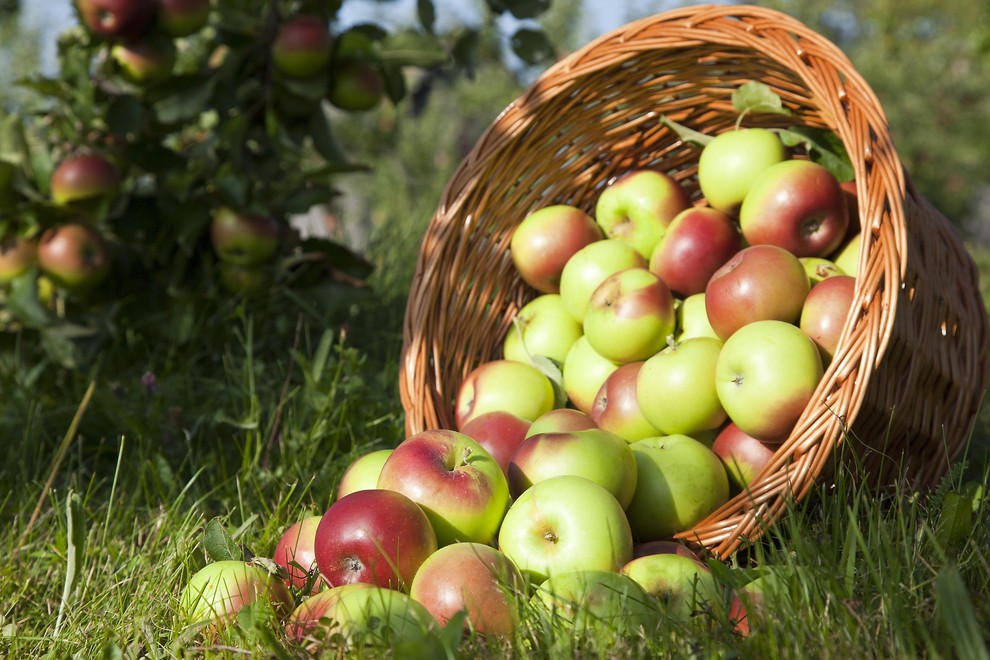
{"x":907,"y":380}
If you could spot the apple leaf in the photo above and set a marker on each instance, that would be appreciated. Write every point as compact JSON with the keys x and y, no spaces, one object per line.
{"x":757,"y":97}
{"x":532,"y":46}
{"x":955,"y":523}
{"x":549,"y":368}
{"x":686,"y":134}
{"x":218,"y":543}
{"x":823,"y":147}
{"x":23,"y":303}
{"x":526,"y":8}
{"x":427,"y":14}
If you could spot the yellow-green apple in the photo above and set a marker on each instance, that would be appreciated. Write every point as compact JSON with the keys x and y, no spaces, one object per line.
{"x":246,"y":280}
{"x":116,"y":18}
{"x":760,"y":282}
{"x":499,"y":432}
{"x":732,"y":161}
{"x":819,"y":268}
{"x":595,"y":454}
{"x":664,"y":546}
{"x":560,"y":420}
{"x":454,"y":480}
{"x":316,"y":612}
{"x":244,"y":239}
{"x":542,"y":327}
{"x":637,"y":207}
{"x":376,"y":536}
{"x":563,"y":524}
{"x":84,"y":180}
{"x":598,"y":602}
{"x":296,"y":552}
{"x":697,"y":242}
{"x":683,"y":585}
{"x":302,"y":46}
{"x":676,"y":389}
{"x":680,"y":481}
{"x":546,"y":239}
{"x":218,"y":591}
{"x":149,"y":59}
{"x":474,"y":578}
{"x":743,"y":456}
{"x":181,"y":18}
{"x":616,"y":408}
{"x":382,"y":616}
{"x":766,"y":374}
{"x":589,"y":267}
{"x":847,"y":257}
{"x":797,"y":205}
{"x":584,"y":374}
{"x":629,"y":316}
{"x":362,"y":473}
{"x":73,"y":256}
{"x":515,"y":387}
{"x":17,"y":255}
{"x":355,"y":86}
{"x":825,"y":311}
{"x":692,"y":319}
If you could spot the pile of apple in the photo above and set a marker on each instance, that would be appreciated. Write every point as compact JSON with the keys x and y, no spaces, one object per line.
{"x":671,"y":347}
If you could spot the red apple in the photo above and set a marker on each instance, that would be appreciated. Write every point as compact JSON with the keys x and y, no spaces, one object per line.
{"x":73,"y":256}
{"x":499,"y":432}
{"x":760,"y":282}
{"x":295,"y":552}
{"x":629,"y":316}
{"x":797,"y":205}
{"x":546,"y":239}
{"x":616,"y":408}
{"x":180,"y":18}
{"x":637,"y":207}
{"x":698,"y":241}
{"x":376,"y":536}
{"x":17,"y":254}
{"x":116,"y":18}
{"x":742,"y":455}
{"x":147,"y":60}
{"x":825,"y":311}
{"x":302,"y":46}
{"x":243,"y":239}
{"x":355,"y":86}
{"x":84,"y":179}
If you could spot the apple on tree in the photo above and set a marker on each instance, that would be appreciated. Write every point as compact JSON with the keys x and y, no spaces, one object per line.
{"x":629,"y":316}
{"x":303,"y":46}
{"x":73,"y":256}
{"x":17,"y":255}
{"x":589,"y":267}
{"x":499,"y":432}
{"x":637,"y":207}
{"x":355,"y":86}
{"x":244,"y":239}
{"x":362,"y":473}
{"x":697,"y":242}
{"x":616,"y":408}
{"x":515,"y":387}
{"x":147,"y":60}
{"x":542,"y":327}
{"x":181,"y":18}
{"x":126,"y":19}
{"x":731,"y":162}
{"x":84,"y":180}
{"x":825,"y":312}
{"x":546,"y":239}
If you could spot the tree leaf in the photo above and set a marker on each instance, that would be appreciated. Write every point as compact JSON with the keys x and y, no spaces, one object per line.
{"x":427,"y":14}
{"x":218,"y":543}
{"x":185,"y":103}
{"x":526,"y":8}
{"x":756,"y":97}
{"x":823,"y":146}
{"x":532,"y":46}
{"x":321,"y":131}
{"x":686,"y":134}
{"x":23,"y":302}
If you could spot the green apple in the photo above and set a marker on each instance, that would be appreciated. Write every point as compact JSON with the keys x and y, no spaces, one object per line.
{"x":599,"y":603}
{"x":565,"y":523}
{"x":630,"y":316}
{"x":731,"y":163}
{"x":380,"y":615}
{"x":561,"y":420}
{"x":638,"y":206}
{"x":316,"y":612}
{"x":514,"y":387}
{"x":546,"y":239}
{"x":355,"y":86}
{"x":766,"y":375}
{"x":676,"y":388}
{"x":218,"y":591}
{"x":683,"y":585}
{"x":692,"y":319}
{"x":819,"y":268}
{"x":584,"y":374}
{"x":589,"y":267}
{"x":181,"y":18}
{"x":542,"y":327}
{"x":147,"y":60}
{"x":847,"y":258}
{"x":680,"y":481}
{"x":363,"y":472}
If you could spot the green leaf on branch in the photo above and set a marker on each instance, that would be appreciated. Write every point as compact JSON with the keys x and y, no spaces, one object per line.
{"x":218,"y":542}
{"x":756,"y":97}
{"x":525,"y":8}
{"x":465,"y":51}
{"x":409,"y":48}
{"x":532,"y":46}
{"x":427,"y":14}
{"x":321,"y":132}
{"x":686,"y":134}
{"x":186,"y":103}
{"x":823,"y":147}
{"x":395,"y":83}
{"x":23,"y":302}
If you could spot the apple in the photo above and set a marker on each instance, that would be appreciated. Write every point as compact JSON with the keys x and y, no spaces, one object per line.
{"x":315,"y":612}
{"x":766,"y":375}
{"x":743,"y":456}
{"x":376,"y":536}
{"x":819,"y":268}
{"x":760,"y":282}
{"x":181,"y":18}
{"x":595,"y":454}
{"x":73,"y":256}
{"x":382,"y":616}
{"x":296,"y":552}
{"x":514,"y":387}
{"x":797,"y":205}
{"x":84,"y":180}
{"x":147,"y":60}
{"x":616,"y":408}
{"x":355,"y":86}
{"x":692,"y":319}
{"x":499,"y":432}
{"x":303,"y":46}
{"x":218,"y":591}
{"x":847,"y":257}
{"x":664,"y":546}
{"x":17,"y":255}
{"x":732,"y":161}
{"x":589,"y":267}
{"x":473,"y":578}
{"x":683,"y":585}
{"x":629,"y":316}
{"x":246,"y":280}
{"x":542,"y":327}
{"x":637,"y":207}
{"x":679,"y":482}
{"x":362,"y":473}
{"x":598,"y":602}
{"x":584,"y":373}
{"x":565,"y":523}
{"x":243,"y":239}
{"x":454,"y":480}
{"x":825,"y":311}
{"x":676,"y":388}
{"x":116,"y":18}
{"x":546,"y":239}
{"x":698,"y":241}
{"x":561,"y":420}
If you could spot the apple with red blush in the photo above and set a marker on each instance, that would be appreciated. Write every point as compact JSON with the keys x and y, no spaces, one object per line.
{"x":697,"y":242}
{"x":561,"y":420}
{"x":507,"y":385}
{"x":616,"y":407}
{"x":637,"y":208}
{"x":825,"y":312}
{"x":499,"y":432}
{"x":296,"y":553}
{"x":546,"y":239}
{"x":743,"y":456}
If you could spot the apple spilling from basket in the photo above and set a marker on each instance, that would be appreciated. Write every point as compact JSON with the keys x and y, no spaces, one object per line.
{"x":671,"y":347}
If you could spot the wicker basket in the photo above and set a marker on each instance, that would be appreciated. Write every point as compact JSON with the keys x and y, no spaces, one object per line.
{"x":907,"y":380}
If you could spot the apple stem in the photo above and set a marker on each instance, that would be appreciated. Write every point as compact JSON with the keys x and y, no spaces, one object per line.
{"x":465,"y":455}
{"x":670,"y":341}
